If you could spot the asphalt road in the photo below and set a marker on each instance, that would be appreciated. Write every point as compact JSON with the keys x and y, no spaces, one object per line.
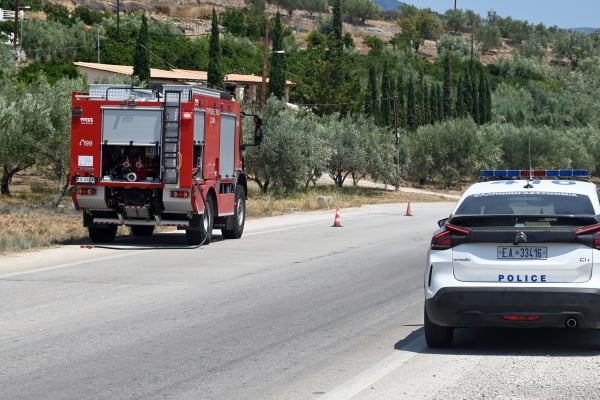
{"x":295,"y":309}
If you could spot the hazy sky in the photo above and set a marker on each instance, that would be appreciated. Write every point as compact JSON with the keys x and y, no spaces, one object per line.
{"x":564,"y":14}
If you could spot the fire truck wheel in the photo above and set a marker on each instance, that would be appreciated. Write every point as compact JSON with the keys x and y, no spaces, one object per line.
{"x":103,"y":234}
{"x":204,"y":235}
{"x":235,"y":223}
{"x":142,"y":230}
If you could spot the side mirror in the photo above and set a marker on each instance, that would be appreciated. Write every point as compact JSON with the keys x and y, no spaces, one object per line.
{"x":258,"y":136}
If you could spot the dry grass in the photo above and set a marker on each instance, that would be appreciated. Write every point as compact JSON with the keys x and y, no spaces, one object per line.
{"x":26,"y":222}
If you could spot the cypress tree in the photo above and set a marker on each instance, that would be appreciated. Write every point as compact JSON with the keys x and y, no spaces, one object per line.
{"x":372,"y":106}
{"x":433,"y":104}
{"x":467,"y":93}
{"x":401,"y":104}
{"x":425,"y":105}
{"x":277,"y":71}
{"x":482,"y":98}
{"x":214,"y":75}
{"x":460,"y":110}
{"x":386,"y":96}
{"x":488,"y":101}
{"x":440,"y":103}
{"x":141,"y":57}
{"x":411,"y":109}
{"x":337,"y":25}
{"x":447,"y":90}
{"x":420,"y":99}
{"x":474,"y":92}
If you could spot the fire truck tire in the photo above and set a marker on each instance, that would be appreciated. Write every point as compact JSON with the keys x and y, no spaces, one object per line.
{"x":235,"y":223}
{"x":142,"y":230}
{"x":103,"y":234}
{"x":204,"y":234}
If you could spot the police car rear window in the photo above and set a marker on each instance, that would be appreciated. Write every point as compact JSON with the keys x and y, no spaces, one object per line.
{"x":526,"y":203}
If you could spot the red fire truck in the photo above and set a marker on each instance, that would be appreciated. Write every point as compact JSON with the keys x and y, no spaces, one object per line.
{"x":171,"y":156}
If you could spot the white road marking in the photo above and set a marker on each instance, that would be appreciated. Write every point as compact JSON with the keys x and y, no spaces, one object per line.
{"x":367,"y":378}
{"x":61,"y":266}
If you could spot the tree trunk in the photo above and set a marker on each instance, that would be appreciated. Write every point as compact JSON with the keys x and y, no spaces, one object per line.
{"x":60,"y":195}
{"x":6,"y":178}
{"x":4,"y":189}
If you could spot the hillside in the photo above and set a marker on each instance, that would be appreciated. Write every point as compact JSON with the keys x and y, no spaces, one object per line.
{"x":192,"y":16}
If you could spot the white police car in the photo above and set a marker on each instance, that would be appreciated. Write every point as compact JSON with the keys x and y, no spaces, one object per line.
{"x":519,"y":250}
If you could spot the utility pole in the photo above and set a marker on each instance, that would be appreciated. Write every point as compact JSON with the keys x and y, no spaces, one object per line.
{"x":263,"y":90}
{"x":98,"y":41}
{"x":118,"y":18}
{"x":397,"y":141}
{"x":16,"y":24}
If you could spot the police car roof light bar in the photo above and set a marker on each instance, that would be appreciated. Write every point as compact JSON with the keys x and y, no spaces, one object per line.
{"x":516,"y":173}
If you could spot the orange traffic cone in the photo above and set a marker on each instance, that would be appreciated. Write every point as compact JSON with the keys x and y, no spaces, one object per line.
{"x":336,"y":222}
{"x":408,"y":211}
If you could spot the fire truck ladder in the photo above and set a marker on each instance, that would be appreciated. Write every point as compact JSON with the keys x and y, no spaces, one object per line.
{"x":170,"y":153}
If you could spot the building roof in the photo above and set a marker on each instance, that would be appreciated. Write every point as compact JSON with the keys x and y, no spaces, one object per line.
{"x":154,"y":72}
{"x":174,"y":74}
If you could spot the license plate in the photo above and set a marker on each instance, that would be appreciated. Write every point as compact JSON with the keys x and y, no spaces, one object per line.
{"x":522,"y":253}
{"x":85,"y":179}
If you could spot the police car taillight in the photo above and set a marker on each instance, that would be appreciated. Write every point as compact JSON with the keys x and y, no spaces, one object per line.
{"x":444,"y":240}
{"x":539,"y":173}
{"x":594,"y":232}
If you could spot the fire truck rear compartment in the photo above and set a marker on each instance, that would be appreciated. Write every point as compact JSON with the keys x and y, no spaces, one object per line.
{"x":129,"y":163}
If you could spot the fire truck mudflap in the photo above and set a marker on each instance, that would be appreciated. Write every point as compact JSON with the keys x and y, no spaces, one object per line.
{"x":166,"y":157}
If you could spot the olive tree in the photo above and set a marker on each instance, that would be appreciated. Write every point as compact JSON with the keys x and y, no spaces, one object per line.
{"x":574,"y":46}
{"x":450,"y":152}
{"x":56,"y":143}
{"x":25,"y":119}
{"x":293,"y":152}
{"x":540,"y":147}
{"x":348,"y":157}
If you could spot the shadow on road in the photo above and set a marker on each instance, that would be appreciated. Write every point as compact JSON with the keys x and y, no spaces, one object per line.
{"x":505,"y":341}
{"x":161,"y":240}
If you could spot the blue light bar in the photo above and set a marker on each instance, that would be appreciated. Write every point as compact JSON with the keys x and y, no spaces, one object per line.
{"x":537,"y":173}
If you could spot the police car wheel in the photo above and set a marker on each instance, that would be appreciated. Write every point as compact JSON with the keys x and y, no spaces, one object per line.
{"x":436,"y":335}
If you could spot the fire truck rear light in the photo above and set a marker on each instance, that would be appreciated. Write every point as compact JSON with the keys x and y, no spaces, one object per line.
{"x":82,"y":191}
{"x":187,"y":114}
{"x":180,"y":194}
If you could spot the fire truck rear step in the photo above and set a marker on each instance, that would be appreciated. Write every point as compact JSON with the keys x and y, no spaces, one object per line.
{"x":160,"y":222}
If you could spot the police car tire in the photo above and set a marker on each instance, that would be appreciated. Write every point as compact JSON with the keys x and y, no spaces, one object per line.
{"x":436,"y":335}
{"x":102,"y":235}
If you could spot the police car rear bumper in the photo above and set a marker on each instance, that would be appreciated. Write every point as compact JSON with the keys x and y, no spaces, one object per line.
{"x":515,"y":307}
